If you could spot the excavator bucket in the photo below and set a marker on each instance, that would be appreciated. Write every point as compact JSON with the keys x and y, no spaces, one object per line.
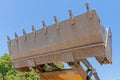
{"x":71,"y":40}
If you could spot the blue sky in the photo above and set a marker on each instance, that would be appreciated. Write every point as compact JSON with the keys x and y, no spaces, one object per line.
{"x":18,"y":14}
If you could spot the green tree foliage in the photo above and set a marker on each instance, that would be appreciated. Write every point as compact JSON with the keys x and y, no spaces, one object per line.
{"x":60,"y":65}
{"x":5,"y":66}
{"x":7,"y":72}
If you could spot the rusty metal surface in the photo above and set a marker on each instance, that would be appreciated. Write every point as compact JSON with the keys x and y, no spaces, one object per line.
{"x":81,"y":39}
{"x":68,"y":36}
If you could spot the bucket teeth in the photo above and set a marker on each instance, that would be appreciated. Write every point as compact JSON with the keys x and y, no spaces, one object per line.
{"x":55,"y":18}
{"x":24,"y":33}
{"x":44,"y":27}
{"x":70,"y":13}
{"x":56,"y":22}
{"x":87,"y":6}
{"x":8,"y":38}
{"x":43,"y":23}
{"x":72,"y":21}
{"x":90,"y":14}
{"x":33,"y":30}
{"x":16,"y":36}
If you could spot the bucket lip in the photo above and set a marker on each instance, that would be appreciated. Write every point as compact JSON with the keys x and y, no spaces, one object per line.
{"x":65,"y":50}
